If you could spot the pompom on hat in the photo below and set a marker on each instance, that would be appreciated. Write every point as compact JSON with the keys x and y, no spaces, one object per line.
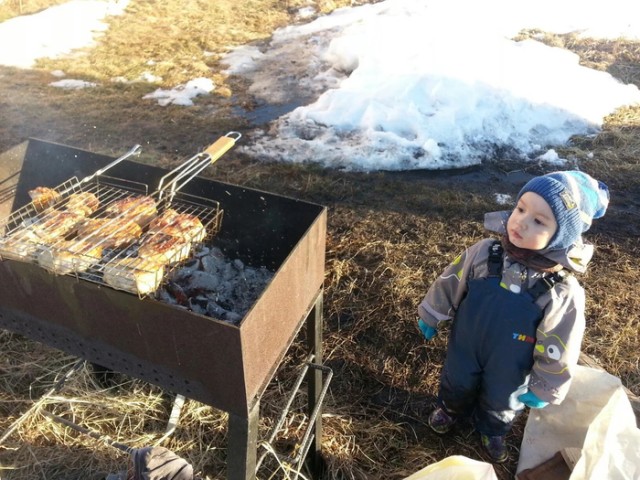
{"x":575,"y":199}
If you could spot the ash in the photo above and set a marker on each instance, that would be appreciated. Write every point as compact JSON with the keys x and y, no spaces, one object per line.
{"x":213,"y":285}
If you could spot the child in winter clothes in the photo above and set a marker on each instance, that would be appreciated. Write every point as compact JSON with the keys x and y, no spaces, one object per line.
{"x":517,"y":308}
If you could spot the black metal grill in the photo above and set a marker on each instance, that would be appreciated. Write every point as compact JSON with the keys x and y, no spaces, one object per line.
{"x":220,"y":364}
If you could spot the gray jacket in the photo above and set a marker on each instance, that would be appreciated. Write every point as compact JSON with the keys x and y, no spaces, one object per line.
{"x":559,"y":334}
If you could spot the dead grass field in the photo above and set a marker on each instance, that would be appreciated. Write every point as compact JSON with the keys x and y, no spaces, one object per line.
{"x":14,"y":8}
{"x":389,"y":236}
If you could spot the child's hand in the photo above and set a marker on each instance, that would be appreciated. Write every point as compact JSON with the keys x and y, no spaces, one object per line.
{"x":428,"y":331}
{"x":531,"y":400}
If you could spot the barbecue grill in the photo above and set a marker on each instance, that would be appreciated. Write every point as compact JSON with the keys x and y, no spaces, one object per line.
{"x":224,"y":365}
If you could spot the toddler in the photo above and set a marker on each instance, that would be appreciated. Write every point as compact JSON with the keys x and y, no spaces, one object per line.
{"x":517,"y":308}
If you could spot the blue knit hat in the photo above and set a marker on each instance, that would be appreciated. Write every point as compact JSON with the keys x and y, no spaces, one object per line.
{"x":575,"y":199}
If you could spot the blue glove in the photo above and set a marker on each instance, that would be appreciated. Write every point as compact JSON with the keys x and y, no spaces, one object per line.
{"x":531,"y":400}
{"x":428,"y":331}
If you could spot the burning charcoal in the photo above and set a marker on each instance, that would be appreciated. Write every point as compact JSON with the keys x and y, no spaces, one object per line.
{"x":257,"y":279}
{"x":202,"y":281}
{"x":191,"y":265}
{"x":216,"y":286}
{"x":223,"y":294}
{"x":251,"y":276}
{"x":228,"y":273}
{"x":232,"y":317}
{"x":218,"y":311}
{"x":178,"y":293}
{"x":211,"y":264}
{"x":202,"y":300}
{"x":185,"y":271}
{"x":198,"y":306}
{"x":202,"y":251}
{"x":215,"y":310}
{"x":166,"y":297}
{"x":238,"y":264}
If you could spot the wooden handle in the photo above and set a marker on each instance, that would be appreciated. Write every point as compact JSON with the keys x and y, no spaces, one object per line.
{"x":220,"y":147}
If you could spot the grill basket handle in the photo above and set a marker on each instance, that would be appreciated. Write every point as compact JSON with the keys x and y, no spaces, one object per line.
{"x":134,"y":151}
{"x":186,"y":171}
{"x":222,"y":145}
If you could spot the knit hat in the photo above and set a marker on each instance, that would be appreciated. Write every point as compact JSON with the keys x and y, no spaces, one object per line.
{"x":575,"y":199}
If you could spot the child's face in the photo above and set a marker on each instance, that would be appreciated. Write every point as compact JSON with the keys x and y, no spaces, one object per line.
{"x":531,"y":224}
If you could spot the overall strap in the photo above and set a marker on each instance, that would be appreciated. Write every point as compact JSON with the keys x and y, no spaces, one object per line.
{"x":544,"y":284}
{"x":494,"y":262}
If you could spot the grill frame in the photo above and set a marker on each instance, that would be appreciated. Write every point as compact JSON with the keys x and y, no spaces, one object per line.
{"x":209,"y":360}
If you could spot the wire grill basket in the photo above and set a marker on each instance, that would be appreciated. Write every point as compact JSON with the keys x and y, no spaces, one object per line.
{"x":114,"y":232}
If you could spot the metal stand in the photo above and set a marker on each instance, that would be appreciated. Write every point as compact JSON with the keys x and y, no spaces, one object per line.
{"x":242,"y":461}
{"x":309,"y":438}
{"x":243,"y":445}
{"x":315,"y":391}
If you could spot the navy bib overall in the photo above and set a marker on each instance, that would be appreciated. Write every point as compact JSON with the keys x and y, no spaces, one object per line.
{"x":490,"y":354}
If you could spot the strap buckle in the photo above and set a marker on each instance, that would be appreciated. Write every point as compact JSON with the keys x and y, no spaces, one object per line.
{"x":494,"y":262}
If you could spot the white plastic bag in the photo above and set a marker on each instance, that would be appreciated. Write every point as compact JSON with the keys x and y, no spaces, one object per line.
{"x":597,"y":418}
{"x":456,"y":467}
{"x":612,"y":446}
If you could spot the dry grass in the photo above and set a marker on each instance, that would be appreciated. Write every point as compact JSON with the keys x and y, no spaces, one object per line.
{"x":389,"y":236}
{"x":13,"y":8}
{"x":151,"y":39}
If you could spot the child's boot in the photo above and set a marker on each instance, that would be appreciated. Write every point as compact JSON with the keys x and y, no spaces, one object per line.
{"x":496,"y":447}
{"x":440,"y":421}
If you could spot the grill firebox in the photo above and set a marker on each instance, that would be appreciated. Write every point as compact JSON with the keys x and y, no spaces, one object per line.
{"x":209,"y":360}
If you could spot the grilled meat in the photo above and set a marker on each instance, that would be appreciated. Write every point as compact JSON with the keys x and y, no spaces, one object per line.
{"x":43,"y":197}
{"x":140,"y":209}
{"x":69,"y":256}
{"x":134,"y":274}
{"x":83,"y":203}
{"x":22,"y":244}
{"x":181,"y":225}
{"x":110,"y":232}
{"x":55,"y":225}
{"x":165,"y":249}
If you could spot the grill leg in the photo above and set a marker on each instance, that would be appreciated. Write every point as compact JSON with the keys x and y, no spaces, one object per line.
{"x":242,"y":446}
{"x":314,"y":382}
